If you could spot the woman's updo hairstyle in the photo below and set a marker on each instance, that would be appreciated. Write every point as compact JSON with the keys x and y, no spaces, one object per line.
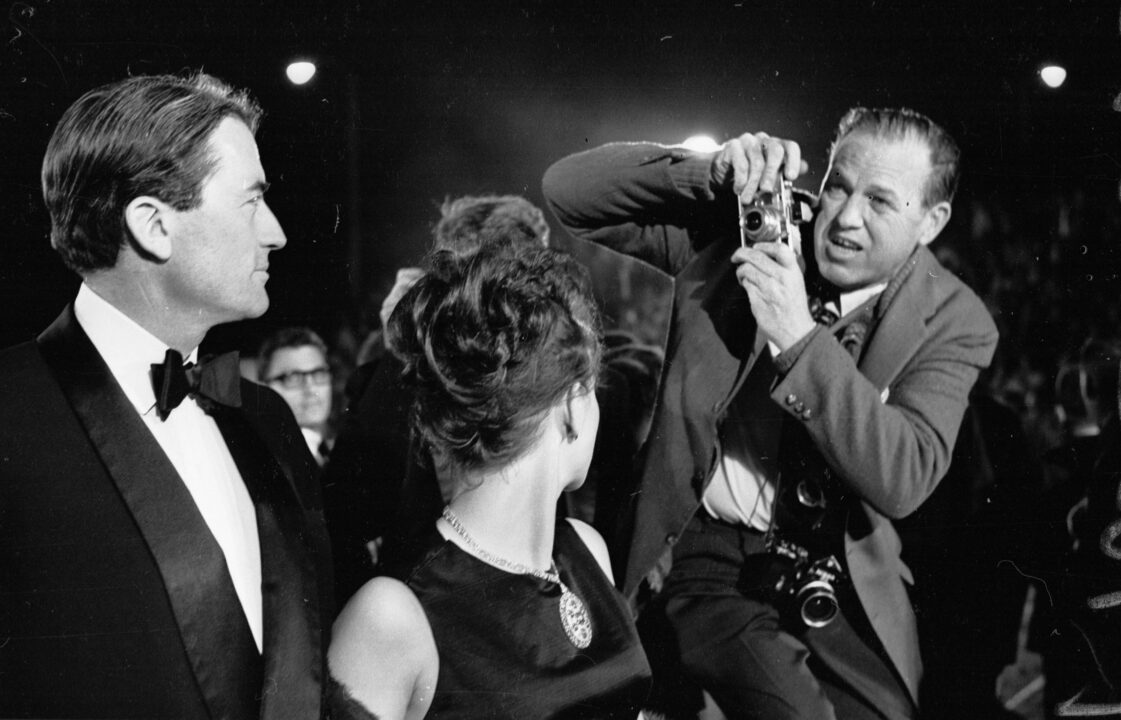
{"x":492,"y":340}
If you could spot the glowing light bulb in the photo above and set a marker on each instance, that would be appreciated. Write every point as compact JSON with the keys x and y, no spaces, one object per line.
{"x":1053,"y":75}
{"x":300,"y":72}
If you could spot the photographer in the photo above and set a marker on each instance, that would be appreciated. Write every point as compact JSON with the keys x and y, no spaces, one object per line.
{"x":782,"y":445}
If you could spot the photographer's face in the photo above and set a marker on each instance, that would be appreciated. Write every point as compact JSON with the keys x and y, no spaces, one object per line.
{"x":871,"y":215}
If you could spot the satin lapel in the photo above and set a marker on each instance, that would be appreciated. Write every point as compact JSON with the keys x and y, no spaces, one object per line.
{"x":293,"y":638}
{"x":211,"y":623}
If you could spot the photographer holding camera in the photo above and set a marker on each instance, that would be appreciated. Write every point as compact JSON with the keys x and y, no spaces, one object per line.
{"x":808,"y":399}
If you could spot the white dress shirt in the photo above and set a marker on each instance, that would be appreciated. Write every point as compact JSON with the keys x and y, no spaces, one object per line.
{"x":192,"y":442}
{"x":314,"y":440}
{"x":742,"y":489}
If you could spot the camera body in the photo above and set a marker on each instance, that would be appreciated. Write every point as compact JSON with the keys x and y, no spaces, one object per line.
{"x":773,"y":216}
{"x":807,"y":585}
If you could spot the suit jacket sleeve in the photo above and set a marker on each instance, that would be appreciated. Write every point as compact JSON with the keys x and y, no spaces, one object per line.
{"x":651,"y":202}
{"x":891,"y":444}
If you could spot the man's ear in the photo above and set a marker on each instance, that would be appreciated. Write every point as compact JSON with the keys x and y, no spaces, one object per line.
{"x":935,"y":219}
{"x":150,"y":221}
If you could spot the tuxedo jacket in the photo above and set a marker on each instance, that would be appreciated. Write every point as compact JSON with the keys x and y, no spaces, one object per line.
{"x":885,"y":429}
{"x":115,"y":598}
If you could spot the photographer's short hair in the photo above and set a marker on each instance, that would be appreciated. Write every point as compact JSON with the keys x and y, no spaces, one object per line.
{"x":493,"y":340}
{"x":902,"y":123}
{"x":146,"y":135}
{"x":472,"y":221}
{"x":286,"y":337}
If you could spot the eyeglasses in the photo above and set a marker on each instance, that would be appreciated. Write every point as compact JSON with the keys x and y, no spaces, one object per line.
{"x":299,"y":378}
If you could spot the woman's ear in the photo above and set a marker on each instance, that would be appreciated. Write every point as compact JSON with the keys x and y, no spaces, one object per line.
{"x":150,"y":221}
{"x":576,"y":408}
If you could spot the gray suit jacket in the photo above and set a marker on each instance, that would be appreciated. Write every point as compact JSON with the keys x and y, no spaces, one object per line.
{"x":885,"y":428}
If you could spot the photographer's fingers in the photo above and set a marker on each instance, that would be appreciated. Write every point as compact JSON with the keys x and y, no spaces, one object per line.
{"x":780,"y":252}
{"x":756,"y":163}
{"x":774,"y":154}
{"x":732,"y":160}
{"x":754,"y":266}
{"x":794,"y":165}
{"x":756,"y":160}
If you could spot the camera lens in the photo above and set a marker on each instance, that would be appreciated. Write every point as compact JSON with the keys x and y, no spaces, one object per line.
{"x":753,"y":221}
{"x":818,"y":603}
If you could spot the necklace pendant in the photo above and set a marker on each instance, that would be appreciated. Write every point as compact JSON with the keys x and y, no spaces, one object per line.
{"x":575,"y":620}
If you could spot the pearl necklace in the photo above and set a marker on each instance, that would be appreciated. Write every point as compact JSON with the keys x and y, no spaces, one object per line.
{"x":574,"y":616}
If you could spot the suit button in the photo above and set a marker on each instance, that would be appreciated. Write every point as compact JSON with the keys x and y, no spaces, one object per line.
{"x":671,"y":539}
{"x":806,"y":414}
{"x":799,"y":407}
{"x":791,"y":399}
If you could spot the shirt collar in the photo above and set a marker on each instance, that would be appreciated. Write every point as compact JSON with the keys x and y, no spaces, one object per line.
{"x":314,"y":438}
{"x":128,"y":349}
{"x":855,"y":298}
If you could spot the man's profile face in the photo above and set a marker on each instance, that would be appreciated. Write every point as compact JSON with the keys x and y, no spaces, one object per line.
{"x":302,"y":377}
{"x":871,"y":213}
{"x":220,"y":257}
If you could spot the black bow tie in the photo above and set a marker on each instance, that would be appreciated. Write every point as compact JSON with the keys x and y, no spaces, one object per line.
{"x":212,"y":380}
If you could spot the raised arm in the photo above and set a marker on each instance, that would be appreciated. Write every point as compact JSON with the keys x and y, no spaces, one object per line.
{"x":383,"y":654}
{"x":891,"y":444}
{"x":660,"y":204}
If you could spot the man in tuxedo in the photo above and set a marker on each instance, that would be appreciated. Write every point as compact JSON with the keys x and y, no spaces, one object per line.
{"x":792,"y":425}
{"x":162,"y":551}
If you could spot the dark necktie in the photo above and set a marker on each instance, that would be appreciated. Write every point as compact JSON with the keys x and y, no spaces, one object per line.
{"x":820,"y":294}
{"x":212,"y":380}
{"x":822,"y":315}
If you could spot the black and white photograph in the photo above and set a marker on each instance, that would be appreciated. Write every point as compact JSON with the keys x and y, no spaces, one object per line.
{"x":519,"y":359}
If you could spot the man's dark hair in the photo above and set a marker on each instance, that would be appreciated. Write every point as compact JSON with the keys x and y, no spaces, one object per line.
{"x":147,"y":135}
{"x":901,"y":124}
{"x":472,"y":221}
{"x":286,"y":337}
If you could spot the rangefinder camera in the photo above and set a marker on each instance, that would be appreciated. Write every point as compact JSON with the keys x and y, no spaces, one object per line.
{"x":773,"y":216}
{"x":808,"y":587}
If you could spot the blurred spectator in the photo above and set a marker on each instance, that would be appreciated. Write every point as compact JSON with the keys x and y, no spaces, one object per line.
{"x":472,"y":221}
{"x":294,"y":362}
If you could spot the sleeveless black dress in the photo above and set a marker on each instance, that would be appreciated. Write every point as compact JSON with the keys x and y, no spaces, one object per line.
{"x":503,"y":651}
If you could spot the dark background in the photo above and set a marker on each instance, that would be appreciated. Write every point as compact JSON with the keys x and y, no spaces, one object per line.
{"x":417,"y":101}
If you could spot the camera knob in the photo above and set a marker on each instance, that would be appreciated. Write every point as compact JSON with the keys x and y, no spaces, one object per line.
{"x":810,"y":497}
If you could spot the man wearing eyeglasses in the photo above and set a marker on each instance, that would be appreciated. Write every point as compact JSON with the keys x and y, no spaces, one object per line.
{"x":293,"y":362}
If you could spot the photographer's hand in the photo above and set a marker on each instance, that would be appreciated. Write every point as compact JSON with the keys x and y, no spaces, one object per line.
{"x":770,"y":274}
{"x":752,"y":161}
